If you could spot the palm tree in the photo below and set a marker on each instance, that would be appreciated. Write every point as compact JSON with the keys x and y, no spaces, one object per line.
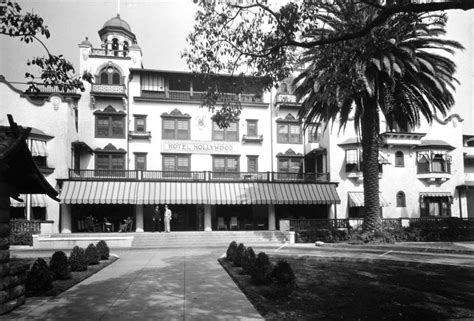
{"x":400,"y":71}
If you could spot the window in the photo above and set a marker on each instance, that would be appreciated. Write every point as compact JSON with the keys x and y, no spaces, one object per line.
{"x":401,"y":201}
{"x":289,"y":167}
{"x":288,"y":133}
{"x":223,"y":165}
{"x":177,"y":165}
{"x":431,"y":162}
{"x":108,"y":126}
{"x":399,"y":159}
{"x":437,"y":164}
{"x":435,"y":206}
{"x":176,"y":129}
{"x":140,"y":123}
{"x":252,"y":128}
{"x":252,"y":164}
{"x":152,"y":82}
{"x":112,"y":161}
{"x":110,"y":76}
{"x":115,"y":46}
{"x":353,"y":161}
{"x":140,"y":161}
{"x":314,"y":133}
{"x":230,"y":133}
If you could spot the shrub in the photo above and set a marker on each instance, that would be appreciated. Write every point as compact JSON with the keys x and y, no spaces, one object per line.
{"x":59,"y":266}
{"x":261,"y":272}
{"x":103,"y":250}
{"x":92,"y":255}
{"x":21,"y":238}
{"x":248,"y":260}
{"x":284,"y":278}
{"x":238,"y":254}
{"x":77,"y":259}
{"x":230,"y":250}
{"x":39,"y":278}
{"x":327,"y":235}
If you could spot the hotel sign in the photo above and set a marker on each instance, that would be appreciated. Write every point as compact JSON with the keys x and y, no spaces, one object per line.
{"x":199,"y":147}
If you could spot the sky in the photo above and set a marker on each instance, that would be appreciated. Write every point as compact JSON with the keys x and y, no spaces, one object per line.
{"x":161,"y":27}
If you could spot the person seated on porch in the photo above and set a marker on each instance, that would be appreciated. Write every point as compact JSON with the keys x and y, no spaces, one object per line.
{"x":107,"y":225}
{"x":125,"y":225}
{"x":90,"y":223}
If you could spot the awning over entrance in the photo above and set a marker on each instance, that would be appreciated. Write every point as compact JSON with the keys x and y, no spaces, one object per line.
{"x":435,"y":194}
{"x":241,"y":193}
{"x":356,"y":199}
{"x":306,"y":194}
{"x":93,"y":192}
{"x":36,"y":200}
{"x":219,"y":193}
{"x":172,"y":193}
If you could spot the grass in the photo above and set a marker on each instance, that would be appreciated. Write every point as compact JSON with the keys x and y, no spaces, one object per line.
{"x":342,"y":289}
{"x":60,"y":286}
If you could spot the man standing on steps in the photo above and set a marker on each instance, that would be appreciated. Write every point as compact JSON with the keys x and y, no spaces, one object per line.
{"x":167,"y":219}
{"x":156,"y":219}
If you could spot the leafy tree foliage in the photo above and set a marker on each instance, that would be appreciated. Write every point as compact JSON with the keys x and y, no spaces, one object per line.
{"x":353,"y":59}
{"x":55,"y":70}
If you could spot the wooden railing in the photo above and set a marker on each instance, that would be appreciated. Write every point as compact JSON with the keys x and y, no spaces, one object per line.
{"x":197,"y":95}
{"x":150,"y":175}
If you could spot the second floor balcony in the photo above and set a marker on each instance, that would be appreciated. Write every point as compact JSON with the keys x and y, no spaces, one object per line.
{"x":204,"y":176}
{"x":108,"y":90}
{"x":196,"y":96}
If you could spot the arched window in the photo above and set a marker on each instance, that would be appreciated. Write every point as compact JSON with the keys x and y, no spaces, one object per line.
{"x":115,"y":78}
{"x":401,"y":201}
{"x":399,"y":159}
{"x":125,"y":48}
{"x":110,"y":76}
{"x":115,"y":46}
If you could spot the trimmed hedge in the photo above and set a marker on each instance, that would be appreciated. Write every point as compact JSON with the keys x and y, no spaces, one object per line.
{"x":39,"y":278}
{"x":284,"y":278}
{"x":77,"y":259}
{"x":230,"y":250}
{"x":261,"y":272}
{"x":103,"y":250}
{"x":248,"y":260}
{"x":322,"y":235}
{"x":59,"y":266}
{"x":238,"y":254}
{"x":92,"y":255}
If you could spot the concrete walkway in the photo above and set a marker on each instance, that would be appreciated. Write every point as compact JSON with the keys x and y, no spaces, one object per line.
{"x":164,"y":284}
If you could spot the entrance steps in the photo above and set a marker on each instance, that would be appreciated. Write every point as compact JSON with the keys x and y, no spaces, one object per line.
{"x":206,"y":239}
{"x":159,"y":240}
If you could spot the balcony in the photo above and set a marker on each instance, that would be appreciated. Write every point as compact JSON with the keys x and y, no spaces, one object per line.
{"x":133,"y":134}
{"x":286,"y":99}
{"x":194,"y":96}
{"x":108,"y":90}
{"x":433,"y":175}
{"x":100,"y":52}
{"x":205,"y":176}
{"x":252,"y":139}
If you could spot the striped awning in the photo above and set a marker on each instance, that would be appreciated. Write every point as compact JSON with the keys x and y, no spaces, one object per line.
{"x":306,"y":194}
{"x":435,"y":194}
{"x":356,"y":199}
{"x":38,"y":148}
{"x":172,"y":193}
{"x":219,"y":193}
{"x":241,"y":193}
{"x":94,"y":192}
{"x":36,"y":200}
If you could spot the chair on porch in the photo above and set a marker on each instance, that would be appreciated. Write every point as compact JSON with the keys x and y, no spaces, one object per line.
{"x":234,"y":223}
{"x":221,"y":224}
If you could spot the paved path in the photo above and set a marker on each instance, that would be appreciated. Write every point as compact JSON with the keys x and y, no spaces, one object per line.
{"x":164,"y":284}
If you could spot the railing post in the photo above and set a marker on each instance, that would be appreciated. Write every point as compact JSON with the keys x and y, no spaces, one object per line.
{"x":270,"y":176}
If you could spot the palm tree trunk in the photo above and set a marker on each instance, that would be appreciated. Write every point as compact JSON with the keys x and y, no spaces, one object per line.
{"x":370,"y":128}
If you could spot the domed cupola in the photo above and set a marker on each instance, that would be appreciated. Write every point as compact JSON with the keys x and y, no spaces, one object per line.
{"x":117,"y":25}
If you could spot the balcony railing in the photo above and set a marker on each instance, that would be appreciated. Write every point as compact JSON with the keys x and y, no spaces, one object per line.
{"x":109,"y":53}
{"x":139,"y":134}
{"x":151,"y":175}
{"x":108,"y":89}
{"x":425,"y":168}
{"x":196,"y":95}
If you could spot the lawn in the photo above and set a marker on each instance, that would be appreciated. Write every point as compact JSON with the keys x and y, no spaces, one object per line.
{"x":60,"y":286}
{"x":341,"y":289}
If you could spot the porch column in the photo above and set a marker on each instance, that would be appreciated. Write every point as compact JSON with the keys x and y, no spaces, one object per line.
{"x":139,"y":218}
{"x":271,"y":217}
{"x":66,"y":218}
{"x":207,"y":218}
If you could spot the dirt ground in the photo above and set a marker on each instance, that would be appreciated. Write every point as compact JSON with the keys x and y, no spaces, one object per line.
{"x":337,"y":289}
